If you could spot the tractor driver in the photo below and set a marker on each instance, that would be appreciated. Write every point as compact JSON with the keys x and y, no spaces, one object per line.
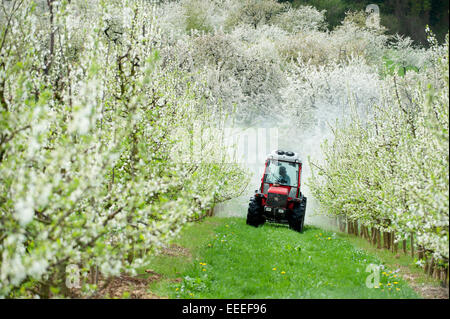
{"x":284,"y":177}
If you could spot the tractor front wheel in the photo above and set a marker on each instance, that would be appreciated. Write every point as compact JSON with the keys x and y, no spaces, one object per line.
{"x":254,"y":215}
{"x":297,"y":218}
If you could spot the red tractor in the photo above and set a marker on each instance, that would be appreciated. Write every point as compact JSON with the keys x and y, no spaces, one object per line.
{"x":279,"y":199}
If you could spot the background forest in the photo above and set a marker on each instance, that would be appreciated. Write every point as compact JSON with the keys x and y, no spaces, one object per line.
{"x":406,"y":17}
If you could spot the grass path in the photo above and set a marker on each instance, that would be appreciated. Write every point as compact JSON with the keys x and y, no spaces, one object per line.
{"x":225,"y":258}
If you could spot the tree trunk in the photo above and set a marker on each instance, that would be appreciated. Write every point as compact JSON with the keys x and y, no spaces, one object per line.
{"x":441,"y":275}
{"x":44,"y":290}
{"x":342,"y":225}
{"x":420,"y":252}
{"x":96,"y":275}
{"x":393,"y":245}
{"x":92,"y":275}
{"x":130,"y":256}
{"x":437,"y":272}
{"x":63,"y":289}
{"x":367,"y":234}
{"x":387,"y":240}
{"x":446,"y":277}
{"x":378,"y":239}
{"x":404,"y":247}
{"x":431,"y":268}
{"x":49,"y":58}
{"x":412,"y":245}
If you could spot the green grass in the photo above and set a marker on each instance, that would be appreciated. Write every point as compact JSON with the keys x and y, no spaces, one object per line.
{"x":405,"y":263}
{"x":193,"y":237}
{"x":232,"y":260}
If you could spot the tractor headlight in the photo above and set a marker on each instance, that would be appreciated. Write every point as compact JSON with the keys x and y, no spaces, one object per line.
{"x":281,"y":211}
{"x":268,"y":209}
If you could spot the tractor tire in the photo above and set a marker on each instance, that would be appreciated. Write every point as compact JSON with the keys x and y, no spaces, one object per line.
{"x":297,"y":218}
{"x":255,"y":213}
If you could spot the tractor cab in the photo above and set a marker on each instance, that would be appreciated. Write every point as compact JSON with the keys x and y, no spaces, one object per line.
{"x":279,"y":198}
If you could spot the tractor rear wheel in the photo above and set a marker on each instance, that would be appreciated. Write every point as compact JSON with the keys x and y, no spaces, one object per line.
{"x":297,"y":218}
{"x":255,"y":213}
